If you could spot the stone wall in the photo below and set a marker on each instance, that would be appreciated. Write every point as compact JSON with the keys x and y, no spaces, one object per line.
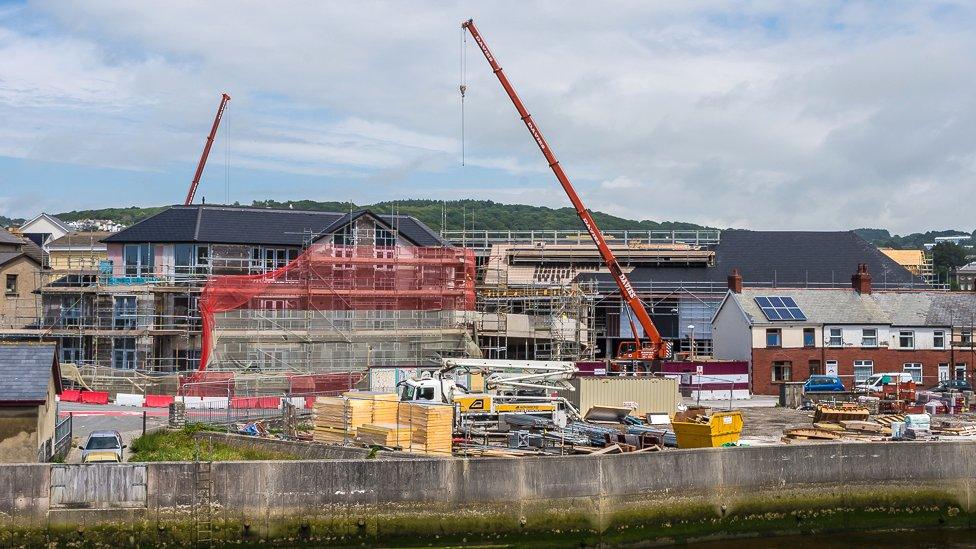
{"x":678,"y":494}
{"x":18,"y":434}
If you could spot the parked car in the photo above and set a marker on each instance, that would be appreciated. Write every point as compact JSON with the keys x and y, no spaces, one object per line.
{"x":875,"y":382}
{"x":102,"y":447}
{"x":947,"y":385}
{"x":823,"y":384}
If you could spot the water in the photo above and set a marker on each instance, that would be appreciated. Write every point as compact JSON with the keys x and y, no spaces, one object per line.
{"x":911,"y":539}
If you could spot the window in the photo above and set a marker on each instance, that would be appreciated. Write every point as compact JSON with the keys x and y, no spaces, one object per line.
{"x":835,"y":339}
{"x":71,"y":350}
{"x":863,"y":369}
{"x":809,"y":337}
{"x":782,"y":370}
{"x":191,"y":259}
{"x":269,"y":259}
{"x":774,"y":338}
{"x":125,"y":312}
{"x":138,"y":259}
{"x":938,"y":339}
{"x":966,"y":336}
{"x":830,"y":367}
{"x":70,"y":314}
{"x":344,"y":236}
{"x":385,"y":238}
{"x":124,"y":353}
{"x":961,"y":370}
{"x":906,"y":339}
{"x":914,"y":368}
{"x":814,"y":367}
{"x":10,"y":288}
{"x":869,"y":337}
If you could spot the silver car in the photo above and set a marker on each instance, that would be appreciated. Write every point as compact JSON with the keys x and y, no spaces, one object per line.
{"x":102,"y":447}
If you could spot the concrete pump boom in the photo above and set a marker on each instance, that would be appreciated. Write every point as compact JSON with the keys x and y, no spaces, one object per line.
{"x":657,"y":347}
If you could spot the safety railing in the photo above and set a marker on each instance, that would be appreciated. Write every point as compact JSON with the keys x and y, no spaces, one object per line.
{"x":482,"y":241}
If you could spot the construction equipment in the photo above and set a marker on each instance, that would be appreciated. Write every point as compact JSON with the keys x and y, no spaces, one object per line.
{"x":516,"y":386}
{"x":656,"y":348}
{"x":224,"y":98}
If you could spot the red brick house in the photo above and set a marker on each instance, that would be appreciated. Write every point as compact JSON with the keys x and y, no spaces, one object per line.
{"x":789,"y":334}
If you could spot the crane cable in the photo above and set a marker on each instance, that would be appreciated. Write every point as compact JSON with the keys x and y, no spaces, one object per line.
{"x":464,"y":84}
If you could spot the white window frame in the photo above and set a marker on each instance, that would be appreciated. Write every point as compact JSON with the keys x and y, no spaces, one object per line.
{"x":788,"y":364}
{"x":945,"y":373}
{"x":963,"y":368}
{"x":827,"y":367}
{"x":863,"y":364}
{"x":145,"y":260}
{"x":124,"y":358}
{"x":779,"y":337}
{"x":125,"y":317}
{"x":830,"y":337}
{"x":912,"y":368}
{"x":937,"y":336}
{"x":910,"y":335}
{"x":869,"y":341}
{"x":813,"y":342}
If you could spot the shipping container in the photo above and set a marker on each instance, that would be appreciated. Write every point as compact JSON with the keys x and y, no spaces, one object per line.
{"x":643,"y":394}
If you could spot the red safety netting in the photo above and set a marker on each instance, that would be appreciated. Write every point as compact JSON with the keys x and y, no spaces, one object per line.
{"x":329,"y":277}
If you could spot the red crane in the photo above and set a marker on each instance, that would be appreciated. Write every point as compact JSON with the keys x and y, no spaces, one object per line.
{"x":224,"y":98}
{"x":656,"y":347}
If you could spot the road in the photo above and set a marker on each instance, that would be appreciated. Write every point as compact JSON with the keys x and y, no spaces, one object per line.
{"x":97,"y":417}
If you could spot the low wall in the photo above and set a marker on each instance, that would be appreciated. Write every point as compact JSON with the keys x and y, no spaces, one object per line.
{"x":622,"y":499}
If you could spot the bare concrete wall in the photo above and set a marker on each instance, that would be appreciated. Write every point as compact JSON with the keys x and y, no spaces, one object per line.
{"x":379,"y":500}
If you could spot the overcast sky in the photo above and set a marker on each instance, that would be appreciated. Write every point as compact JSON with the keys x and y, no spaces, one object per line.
{"x":765,"y":115}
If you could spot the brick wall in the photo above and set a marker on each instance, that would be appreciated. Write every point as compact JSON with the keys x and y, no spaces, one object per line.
{"x":885,"y":360}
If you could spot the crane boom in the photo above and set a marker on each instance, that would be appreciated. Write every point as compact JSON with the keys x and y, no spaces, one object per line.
{"x":657,"y":348}
{"x":224,"y":98}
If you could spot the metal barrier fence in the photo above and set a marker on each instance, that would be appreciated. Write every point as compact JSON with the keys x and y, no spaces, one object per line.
{"x":63,"y":431}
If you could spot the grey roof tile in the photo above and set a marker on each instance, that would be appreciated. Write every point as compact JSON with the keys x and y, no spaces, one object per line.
{"x":7,"y":238}
{"x":236,"y":225}
{"x":26,"y":370}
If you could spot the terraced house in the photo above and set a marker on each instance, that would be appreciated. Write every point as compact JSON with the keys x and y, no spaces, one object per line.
{"x":789,"y":334}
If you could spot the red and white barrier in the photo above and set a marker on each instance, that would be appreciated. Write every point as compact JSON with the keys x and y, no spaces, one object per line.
{"x":128,"y":399}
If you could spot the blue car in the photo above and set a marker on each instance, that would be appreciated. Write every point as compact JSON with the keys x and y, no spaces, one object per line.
{"x":823,"y":384}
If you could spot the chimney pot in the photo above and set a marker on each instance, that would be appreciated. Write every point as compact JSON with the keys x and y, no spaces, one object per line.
{"x":861,"y":280}
{"x":735,"y":281}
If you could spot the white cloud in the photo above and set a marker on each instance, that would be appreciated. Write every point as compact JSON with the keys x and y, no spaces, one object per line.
{"x":759,"y":114}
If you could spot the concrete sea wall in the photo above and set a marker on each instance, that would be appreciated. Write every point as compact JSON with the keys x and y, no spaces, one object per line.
{"x":609,"y":500}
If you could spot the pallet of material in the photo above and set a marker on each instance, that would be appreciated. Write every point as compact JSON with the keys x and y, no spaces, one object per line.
{"x":393,"y":435}
{"x":843,"y":412}
{"x":385,"y":405}
{"x":332,"y":435}
{"x":432,"y":426}
{"x":865,"y":427}
{"x":342,"y":413}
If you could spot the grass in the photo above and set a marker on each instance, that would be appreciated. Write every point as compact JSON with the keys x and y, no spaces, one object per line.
{"x":181,"y":446}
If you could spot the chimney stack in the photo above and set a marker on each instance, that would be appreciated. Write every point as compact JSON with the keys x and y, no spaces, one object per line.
{"x":735,"y":281}
{"x":861,"y":280}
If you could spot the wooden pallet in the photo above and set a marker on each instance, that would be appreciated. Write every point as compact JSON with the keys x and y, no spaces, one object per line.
{"x":888,"y":419}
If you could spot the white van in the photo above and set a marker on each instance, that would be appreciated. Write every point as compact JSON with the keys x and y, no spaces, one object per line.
{"x":875,"y":382}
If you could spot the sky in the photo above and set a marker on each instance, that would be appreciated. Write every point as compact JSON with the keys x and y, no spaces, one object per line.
{"x":766,"y":115}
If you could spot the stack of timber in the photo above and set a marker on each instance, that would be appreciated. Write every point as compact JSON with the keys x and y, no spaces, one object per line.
{"x":844,"y":423}
{"x":383,"y":405}
{"x":336,"y":418}
{"x":432,"y":426}
{"x":391,"y":435}
{"x":947,"y":429}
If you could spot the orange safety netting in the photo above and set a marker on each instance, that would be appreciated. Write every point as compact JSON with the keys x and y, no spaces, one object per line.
{"x":329,"y":277}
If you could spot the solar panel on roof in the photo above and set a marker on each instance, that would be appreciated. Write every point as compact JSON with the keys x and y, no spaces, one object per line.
{"x":780,"y":308}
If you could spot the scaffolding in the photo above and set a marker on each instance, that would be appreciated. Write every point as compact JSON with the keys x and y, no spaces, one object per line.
{"x":342,"y":308}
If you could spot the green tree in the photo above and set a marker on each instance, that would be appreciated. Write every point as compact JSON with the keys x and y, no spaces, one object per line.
{"x":947,"y":257}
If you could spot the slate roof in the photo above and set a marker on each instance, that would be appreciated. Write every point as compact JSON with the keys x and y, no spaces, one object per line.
{"x":7,"y":257}
{"x":845,"y":306}
{"x":7,"y":238}
{"x":237,"y":225}
{"x":26,"y":370}
{"x":784,"y":258}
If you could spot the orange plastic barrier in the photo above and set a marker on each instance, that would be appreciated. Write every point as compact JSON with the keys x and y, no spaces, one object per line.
{"x":70,"y":395}
{"x":158,"y":401}
{"x":94,"y":397}
{"x":269,"y":403}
